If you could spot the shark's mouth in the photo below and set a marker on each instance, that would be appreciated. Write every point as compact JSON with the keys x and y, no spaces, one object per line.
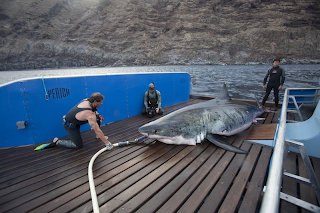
{"x":172,"y":140}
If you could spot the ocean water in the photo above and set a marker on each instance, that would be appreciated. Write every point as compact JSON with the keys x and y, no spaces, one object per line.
{"x":243,"y":81}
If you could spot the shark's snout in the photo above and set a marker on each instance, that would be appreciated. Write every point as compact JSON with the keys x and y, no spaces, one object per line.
{"x":147,"y":130}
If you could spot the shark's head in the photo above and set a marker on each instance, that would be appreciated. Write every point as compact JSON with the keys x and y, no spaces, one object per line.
{"x":170,"y":132}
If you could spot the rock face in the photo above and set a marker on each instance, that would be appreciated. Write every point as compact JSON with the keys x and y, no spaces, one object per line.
{"x":37,"y":34}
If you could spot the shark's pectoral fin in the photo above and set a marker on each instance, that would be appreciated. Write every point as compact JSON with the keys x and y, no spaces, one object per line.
{"x":221,"y":142}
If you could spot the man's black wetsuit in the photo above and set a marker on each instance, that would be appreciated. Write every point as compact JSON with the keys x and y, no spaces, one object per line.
{"x":72,"y":126}
{"x":276,"y":78}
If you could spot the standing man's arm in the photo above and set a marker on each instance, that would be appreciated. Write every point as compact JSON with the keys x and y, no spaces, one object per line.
{"x":283,"y":77}
{"x":265,"y":80}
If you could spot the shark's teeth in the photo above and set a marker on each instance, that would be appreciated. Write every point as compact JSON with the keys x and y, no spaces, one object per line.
{"x":200,"y":137}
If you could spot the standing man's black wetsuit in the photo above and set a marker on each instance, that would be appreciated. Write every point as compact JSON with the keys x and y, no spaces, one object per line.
{"x":276,"y":77}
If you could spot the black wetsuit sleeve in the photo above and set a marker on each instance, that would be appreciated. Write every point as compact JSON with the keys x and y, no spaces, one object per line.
{"x":283,"y":77}
{"x":266,"y":77}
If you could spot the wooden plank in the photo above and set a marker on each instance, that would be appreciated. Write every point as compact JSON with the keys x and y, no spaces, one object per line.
{"x":262,"y":132}
{"x":48,"y":169}
{"x":235,"y":193}
{"x":289,"y":186}
{"x":276,"y":116}
{"x":306,"y":192}
{"x":124,"y":196}
{"x":26,"y":161}
{"x":218,"y":193}
{"x":269,"y":118}
{"x":308,"y":111}
{"x":60,"y":183}
{"x":163,"y":188}
{"x":263,"y":117}
{"x":110,"y":188}
{"x":253,"y":194}
{"x":183,"y":190}
{"x":14,"y":157}
{"x":316,"y":166}
{"x":41,"y":166}
{"x":104,"y":182}
{"x":200,"y":193}
{"x":290,"y":116}
{"x":117,"y":132}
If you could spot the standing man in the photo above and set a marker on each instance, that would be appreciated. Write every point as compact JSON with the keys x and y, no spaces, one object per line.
{"x":276,"y":77}
{"x":152,"y":102}
{"x":82,"y":113}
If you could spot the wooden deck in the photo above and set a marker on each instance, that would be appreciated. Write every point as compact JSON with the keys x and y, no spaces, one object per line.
{"x":146,"y":177}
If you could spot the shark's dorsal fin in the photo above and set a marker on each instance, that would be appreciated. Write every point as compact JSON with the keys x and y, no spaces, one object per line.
{"x":224,"y":95}
{"x":259,"y":105}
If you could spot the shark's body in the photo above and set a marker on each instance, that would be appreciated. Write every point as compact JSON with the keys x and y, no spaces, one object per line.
{"x":211,"y":119}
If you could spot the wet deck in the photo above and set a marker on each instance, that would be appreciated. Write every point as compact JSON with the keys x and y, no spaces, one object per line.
{"x":146,"y":177}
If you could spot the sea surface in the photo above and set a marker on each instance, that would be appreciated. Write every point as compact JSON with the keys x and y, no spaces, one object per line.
{"x":243,"y":81}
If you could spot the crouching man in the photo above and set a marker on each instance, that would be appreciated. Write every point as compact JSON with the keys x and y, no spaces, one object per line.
{"x":152,"y":102}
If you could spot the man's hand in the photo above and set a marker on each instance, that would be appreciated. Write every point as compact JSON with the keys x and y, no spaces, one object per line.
{"x":157,"y":110}
{"x":280,"y":87}
{"x":264,"y":87}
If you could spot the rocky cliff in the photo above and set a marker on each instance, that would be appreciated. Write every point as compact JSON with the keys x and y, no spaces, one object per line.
{"x":38,"y":34}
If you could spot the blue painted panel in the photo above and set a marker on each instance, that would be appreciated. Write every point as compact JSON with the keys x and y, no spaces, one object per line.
{"x":136,"y":87}
{"x":46,"y":115}
{"x":123,"y":98}
{"x":113,"y":88}
{"x":12,"y":110}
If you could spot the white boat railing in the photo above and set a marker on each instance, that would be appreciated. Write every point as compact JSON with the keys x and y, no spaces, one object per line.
{"x":271,"y":198}
{"x":273,"y":194}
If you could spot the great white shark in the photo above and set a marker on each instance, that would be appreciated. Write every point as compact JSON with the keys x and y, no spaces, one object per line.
{"x":210,"y":120}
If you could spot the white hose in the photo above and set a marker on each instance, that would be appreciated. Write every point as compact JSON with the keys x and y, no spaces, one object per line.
{"x":94,"y":198}
{"x":93,"y":192}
